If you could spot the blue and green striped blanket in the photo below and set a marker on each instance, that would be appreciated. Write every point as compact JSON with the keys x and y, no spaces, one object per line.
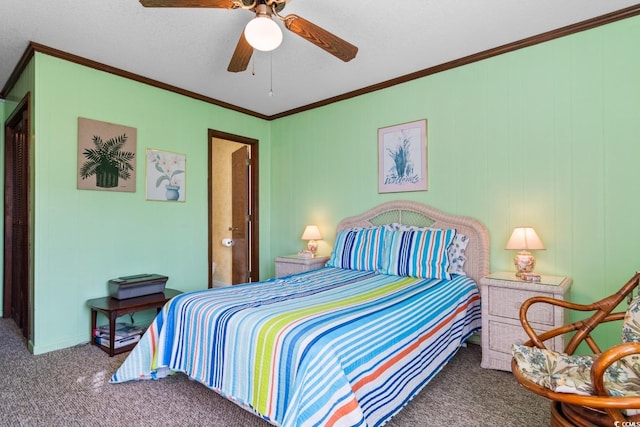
{"x":327,"y":347}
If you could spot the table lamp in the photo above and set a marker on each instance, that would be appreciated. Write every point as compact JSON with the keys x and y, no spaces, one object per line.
{"x":312,"y":233}
{"x":524,"y":239}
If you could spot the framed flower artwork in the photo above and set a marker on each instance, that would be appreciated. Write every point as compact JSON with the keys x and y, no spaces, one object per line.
{"x":402,"y":157}
{"x":165,"y":177}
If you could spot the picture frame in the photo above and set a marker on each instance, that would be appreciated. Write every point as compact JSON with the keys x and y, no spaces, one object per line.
{"x":165,"y":178}
{"x":402,"y":157}
{"x":106,"y":156}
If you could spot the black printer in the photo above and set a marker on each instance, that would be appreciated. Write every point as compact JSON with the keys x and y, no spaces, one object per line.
{"x":137,"y":285}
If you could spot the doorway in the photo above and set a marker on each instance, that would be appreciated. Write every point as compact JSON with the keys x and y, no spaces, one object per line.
{"x":17,"y":230}
{"x":233,"y":209}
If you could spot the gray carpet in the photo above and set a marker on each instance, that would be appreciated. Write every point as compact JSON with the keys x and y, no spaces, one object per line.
{"x":70,"y":388}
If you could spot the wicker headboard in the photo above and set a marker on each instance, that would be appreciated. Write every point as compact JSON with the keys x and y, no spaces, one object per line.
{"x":413,"y":213}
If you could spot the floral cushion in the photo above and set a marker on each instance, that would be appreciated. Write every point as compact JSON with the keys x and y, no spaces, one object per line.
{"x":456,"y":254}
{"x":572,"y":374}
{"x":631,"y":325}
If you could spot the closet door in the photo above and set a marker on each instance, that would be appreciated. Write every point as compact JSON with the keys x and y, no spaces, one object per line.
{"x":16,"y":226}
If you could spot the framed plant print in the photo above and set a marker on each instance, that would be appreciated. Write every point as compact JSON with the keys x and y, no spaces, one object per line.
{"x":106,"y":156}
{"x":402,"y":157}
{"x":165,"y":179}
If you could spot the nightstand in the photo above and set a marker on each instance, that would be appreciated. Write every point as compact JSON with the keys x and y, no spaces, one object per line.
{"x":113,"y":308}
{"x":291,"y":264}
{"x":502,"y":296}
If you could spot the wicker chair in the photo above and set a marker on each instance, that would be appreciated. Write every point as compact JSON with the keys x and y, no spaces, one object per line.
{"x":599,"y":408}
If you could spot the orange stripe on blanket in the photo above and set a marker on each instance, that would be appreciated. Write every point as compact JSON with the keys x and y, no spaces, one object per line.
{"x":152,"y":335}
{"x":375,"y":374}
{"x":345,"y":409}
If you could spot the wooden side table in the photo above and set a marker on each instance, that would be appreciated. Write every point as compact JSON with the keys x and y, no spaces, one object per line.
{"x":502,"y":296}
{"x":114,"y":308}
{"x":291,"y":264}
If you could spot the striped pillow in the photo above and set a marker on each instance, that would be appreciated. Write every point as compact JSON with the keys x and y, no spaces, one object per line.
{"x":419,"y":253}
{"x":455,"y":251}
{"x":358,"y":249}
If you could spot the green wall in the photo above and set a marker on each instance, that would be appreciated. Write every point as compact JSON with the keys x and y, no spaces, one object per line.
{"x":546,"y":136}
{"x":83,"y":238}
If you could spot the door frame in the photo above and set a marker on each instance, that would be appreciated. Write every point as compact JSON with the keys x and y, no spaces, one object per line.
{"x":24,"y":106}
{"x":254,"y":225}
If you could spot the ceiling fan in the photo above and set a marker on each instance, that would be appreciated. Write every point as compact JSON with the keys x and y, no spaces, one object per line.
{"x":264,"y":10}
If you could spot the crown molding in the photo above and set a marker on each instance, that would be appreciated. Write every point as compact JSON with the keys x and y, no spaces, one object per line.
{"x":509,"y":47}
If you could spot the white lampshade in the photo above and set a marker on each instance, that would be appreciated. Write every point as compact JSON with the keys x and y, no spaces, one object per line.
{"x":263,"y":33}
{"x":524,"y":238}
{"x":311,"y":232}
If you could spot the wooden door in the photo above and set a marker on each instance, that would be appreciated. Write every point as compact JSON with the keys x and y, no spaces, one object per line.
{"x":244,"y":193}
{"x":16,"y":213}
{"x":240,"y":215}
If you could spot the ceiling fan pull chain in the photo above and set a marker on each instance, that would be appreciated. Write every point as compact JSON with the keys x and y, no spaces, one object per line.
{"x":271,"y":74}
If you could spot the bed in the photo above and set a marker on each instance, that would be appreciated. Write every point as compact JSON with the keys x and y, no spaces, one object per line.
{"x":349,"y":344}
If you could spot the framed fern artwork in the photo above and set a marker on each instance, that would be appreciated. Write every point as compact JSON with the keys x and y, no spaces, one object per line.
{"x":165,"y":176}
{"x":402,"y":157}
{"x":106,"y":156}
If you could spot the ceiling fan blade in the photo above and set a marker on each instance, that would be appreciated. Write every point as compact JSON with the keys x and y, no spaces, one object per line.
{"x":221,"y":4}
{"x":321,"y":37}
{"x":241,"y":56}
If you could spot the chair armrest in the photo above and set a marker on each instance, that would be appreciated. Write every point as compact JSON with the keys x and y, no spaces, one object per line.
{"x":606,"y":359}
{"x":558,"y":302}
{"x":538,"y":340}
{"x":584,"y":327}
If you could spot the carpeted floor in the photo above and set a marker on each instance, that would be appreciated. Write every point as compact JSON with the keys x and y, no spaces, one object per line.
{"x":70,"y":388}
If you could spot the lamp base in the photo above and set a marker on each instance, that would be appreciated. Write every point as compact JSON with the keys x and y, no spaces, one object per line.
{"x":312,"y":246}
{"x":524,"y":262}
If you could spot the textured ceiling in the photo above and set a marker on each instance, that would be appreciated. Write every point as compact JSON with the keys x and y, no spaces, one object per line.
{"x":190,"y":48}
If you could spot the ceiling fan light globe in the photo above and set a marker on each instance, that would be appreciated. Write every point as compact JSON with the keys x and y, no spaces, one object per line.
{"x":263,"y":33}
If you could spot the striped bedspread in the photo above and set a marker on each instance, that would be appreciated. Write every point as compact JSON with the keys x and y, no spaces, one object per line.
{"x":328,"y":347}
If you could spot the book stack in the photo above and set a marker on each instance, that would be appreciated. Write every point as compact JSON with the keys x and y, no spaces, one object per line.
{"x":125,"y":334}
